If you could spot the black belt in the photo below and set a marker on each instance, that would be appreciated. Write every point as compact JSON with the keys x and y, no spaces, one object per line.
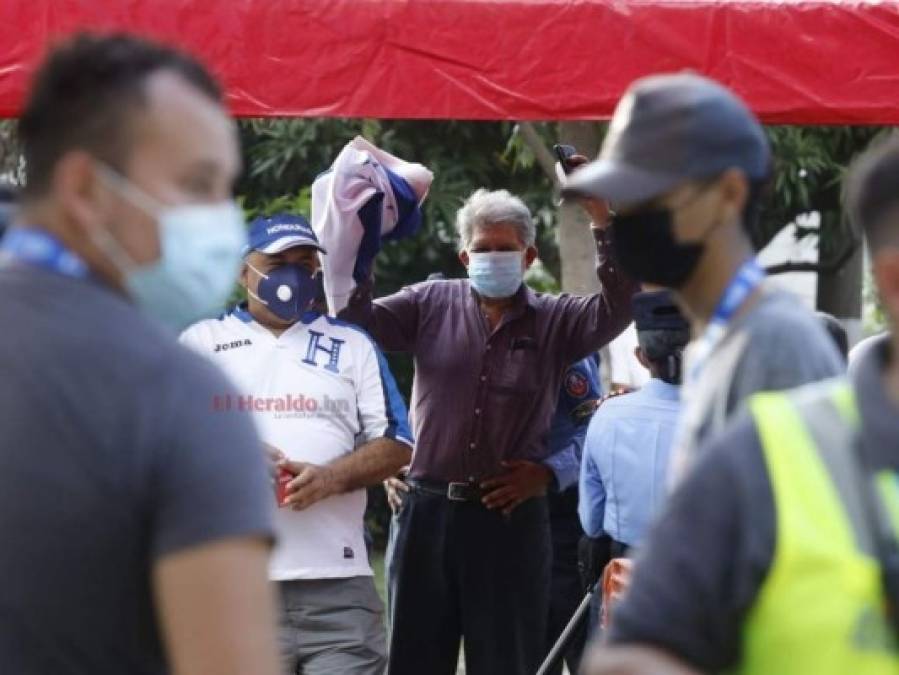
{"x":454,"y":492}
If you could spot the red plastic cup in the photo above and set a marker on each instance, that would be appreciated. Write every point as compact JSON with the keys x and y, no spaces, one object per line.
{"x":284,"y":477}
{"x":616,"y":578}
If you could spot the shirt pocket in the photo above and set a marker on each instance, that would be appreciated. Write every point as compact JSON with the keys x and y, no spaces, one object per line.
{"x":518,"y":372}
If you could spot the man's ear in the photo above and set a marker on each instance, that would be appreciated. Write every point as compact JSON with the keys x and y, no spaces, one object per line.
{"x":244,"y":278}
{"x":735,"y":189}
{"x":641,"y":357}
{"x":530,"y":255}
{"x":885,"y":269}
{"x":463,"y":257}
{"x":76,"y":188}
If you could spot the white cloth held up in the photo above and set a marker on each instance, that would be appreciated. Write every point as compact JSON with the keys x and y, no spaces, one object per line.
{"x":356,"y":176}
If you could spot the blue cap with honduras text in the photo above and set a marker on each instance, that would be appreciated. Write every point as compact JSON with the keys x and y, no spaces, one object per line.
{"x":273,"y":234}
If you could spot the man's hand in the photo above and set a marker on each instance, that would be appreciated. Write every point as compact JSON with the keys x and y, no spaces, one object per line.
{"x":312,"y":484}
{"x":274,"y":456}
{"x":393,"y":486}
{"x":522,"y":481}
{"x":366,"y":465}
{"x":597,"y":209}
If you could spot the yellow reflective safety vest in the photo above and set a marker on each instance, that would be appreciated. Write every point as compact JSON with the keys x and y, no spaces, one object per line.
{"x":821,"y":608}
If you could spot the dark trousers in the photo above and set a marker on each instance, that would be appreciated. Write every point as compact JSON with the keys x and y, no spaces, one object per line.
{"x":567,"y":589}
{"x":458,"y":572}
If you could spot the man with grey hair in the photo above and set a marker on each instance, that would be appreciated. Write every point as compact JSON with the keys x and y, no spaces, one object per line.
{"x":471,"y":551}
{"x":499,"y":206}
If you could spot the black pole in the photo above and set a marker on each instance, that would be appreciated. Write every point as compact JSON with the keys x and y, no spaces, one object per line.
{"x":562,"y":643}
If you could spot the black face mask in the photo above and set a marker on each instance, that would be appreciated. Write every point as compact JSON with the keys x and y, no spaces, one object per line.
{"x":643,"y":244}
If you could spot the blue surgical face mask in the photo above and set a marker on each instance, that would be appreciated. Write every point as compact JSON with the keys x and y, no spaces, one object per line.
{"x":200,"y":247}
{"x":287,"y":291}
{"x":496,"y":274}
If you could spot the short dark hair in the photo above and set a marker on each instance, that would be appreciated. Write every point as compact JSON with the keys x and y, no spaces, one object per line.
{"x":836,"y":331}
{"x":872,"y":190}
{"x":84,"y":93}
{"x":664,"y":349}
{"x":759,"y":192}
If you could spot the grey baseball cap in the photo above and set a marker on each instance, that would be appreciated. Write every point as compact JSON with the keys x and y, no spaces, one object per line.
{"x":668,"y":129}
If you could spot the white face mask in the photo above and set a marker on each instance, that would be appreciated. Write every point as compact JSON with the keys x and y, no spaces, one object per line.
{"x":496,"y":274}
{"x":201,"y":246}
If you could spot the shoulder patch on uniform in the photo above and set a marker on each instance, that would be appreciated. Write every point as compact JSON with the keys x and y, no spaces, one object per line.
{"x":584,"y":411}
{"x":576,"y":384}
{"x":614,"y":394}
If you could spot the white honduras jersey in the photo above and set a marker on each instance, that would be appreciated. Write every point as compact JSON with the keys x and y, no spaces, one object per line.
{"x":316,"y":393}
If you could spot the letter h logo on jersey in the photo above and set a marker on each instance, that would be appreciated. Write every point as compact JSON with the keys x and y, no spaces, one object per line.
{"x":315,"y":347}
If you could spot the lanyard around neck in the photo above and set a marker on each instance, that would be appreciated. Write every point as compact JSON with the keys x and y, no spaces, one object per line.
{"x":39,"y":248}
{"x":741,"y":286}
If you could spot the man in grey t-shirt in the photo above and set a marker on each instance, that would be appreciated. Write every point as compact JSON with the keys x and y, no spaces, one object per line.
{"x":135,"y":532}
{"x":684,"y":165}
{"x":772,"y":344}
{"x":745,"y":526}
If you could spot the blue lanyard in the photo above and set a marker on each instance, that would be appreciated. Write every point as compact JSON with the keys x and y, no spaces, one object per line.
{"x":745,"y":281}
{"x":743,"y":284}
{"x":41,"y":249}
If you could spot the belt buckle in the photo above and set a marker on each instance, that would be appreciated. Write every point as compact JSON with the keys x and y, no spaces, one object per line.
{"x":457,"y":492}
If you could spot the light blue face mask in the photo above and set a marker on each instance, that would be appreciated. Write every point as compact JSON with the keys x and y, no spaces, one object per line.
{"x":496,"y":274}
{"x":200,"y":256}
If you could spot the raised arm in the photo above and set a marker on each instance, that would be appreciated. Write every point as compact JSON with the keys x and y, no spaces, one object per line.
{"x":392,"y":320}
{"x":586,"y":324}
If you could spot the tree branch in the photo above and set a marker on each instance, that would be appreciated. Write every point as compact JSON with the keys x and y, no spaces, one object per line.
{"x":783,"y":268}
{"x":823,"y":267}
{"x":544,"y":157}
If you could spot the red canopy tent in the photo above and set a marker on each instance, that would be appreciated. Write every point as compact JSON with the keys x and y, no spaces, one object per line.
{"x":796,"y":62}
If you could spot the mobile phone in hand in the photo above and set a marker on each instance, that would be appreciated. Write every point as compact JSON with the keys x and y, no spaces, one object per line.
{"x":565,"y":153}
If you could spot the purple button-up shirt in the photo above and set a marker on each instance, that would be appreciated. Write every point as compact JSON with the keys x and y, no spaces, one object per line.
{"x":479,"y":398}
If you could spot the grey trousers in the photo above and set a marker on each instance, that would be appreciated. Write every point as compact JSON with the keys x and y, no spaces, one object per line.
{"x":331,"y":626}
